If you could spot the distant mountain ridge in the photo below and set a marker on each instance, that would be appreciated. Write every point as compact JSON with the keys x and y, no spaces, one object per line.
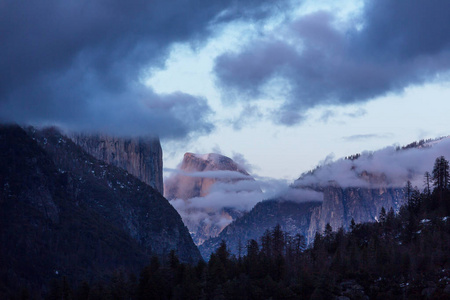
{"x":356,"y":187}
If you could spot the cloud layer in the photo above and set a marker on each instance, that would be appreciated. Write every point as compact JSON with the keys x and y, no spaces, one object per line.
{"x":321,"y":61}
{"x":388,"y":167}
{"x":79,"y":64}
{"x":238,"y":196}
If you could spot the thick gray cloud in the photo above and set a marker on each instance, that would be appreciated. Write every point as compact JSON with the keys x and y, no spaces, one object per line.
{"x":79,"y":63}
{"x":399,"y":43}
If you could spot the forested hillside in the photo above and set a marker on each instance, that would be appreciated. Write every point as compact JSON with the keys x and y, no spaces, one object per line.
{"x":65,"y":213}
{"x":402,"y":256}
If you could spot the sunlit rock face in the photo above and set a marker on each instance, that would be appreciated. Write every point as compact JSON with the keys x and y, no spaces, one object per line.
{"x":141,"y":157}
{"x":185,"y":186}
{"x":205,"y":192}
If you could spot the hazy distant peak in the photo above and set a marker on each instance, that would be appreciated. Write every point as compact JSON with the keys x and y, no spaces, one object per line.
{"x":209,"y":162}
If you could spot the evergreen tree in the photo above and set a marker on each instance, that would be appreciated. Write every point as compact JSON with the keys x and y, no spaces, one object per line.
{"x":352,"y":224}
{"x":278,"y":243}
{"x":415,"y":201}
{"x":382,"y":217}
{"x":328,"y":234}
{"x":266,"y":243}
{"x":252,"y":262}
{"x":441,"y":174}
{"x":222,"y":252}
{"x":427,"y":184}
{"x":252,"y":249}
{"x":239,"y":248}
{"x":408,"y":189}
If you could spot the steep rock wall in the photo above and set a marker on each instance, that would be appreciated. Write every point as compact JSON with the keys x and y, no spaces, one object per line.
{"x":186,"y":187}
{"x":204,"y":222}
{"x":340,"y":205}
{"x":141,"y":157}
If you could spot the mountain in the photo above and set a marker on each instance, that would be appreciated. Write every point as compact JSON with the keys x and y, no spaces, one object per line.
{"x":65,"y":213}
{"x":293,"y":217}
{"x":355,"y":187}
{"x":307,"y":217}
{"x":342,"y":204}
{"x":183,"y":186}
{"x":141,"y":157}
{"x":205,"y":190}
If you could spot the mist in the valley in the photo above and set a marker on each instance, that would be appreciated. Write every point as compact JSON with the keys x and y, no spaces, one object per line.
{"x":388,"y":167}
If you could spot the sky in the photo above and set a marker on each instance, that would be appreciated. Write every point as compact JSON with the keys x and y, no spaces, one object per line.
{"x":280,"y":86}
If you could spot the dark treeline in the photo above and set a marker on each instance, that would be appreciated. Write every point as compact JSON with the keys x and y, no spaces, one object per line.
{"x":405,"y":255}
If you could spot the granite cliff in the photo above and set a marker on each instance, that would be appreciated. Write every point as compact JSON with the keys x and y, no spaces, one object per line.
{"x":293,"y":218}
{"x":204,"y":191}
{"x":183,"y":186}
{"x":65,"y":213}
{"x":356,"y":187}
{"x":141,"y":157}
{"x":342,"y":204}
{"x":307,"y":217}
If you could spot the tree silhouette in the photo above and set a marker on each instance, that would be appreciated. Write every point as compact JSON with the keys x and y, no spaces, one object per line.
{"x":441,"y":174}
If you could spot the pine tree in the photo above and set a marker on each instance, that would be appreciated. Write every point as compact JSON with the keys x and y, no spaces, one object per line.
{"x":382,"y":217}
{"x":222,"y":252}
{"x":441,"y":175}
{"x":408,"y":189}
{"x":239,"y":249}
{"x":277,"y":241}
{"x":266,"y":244}
{"x":427,"y":184}
{"x":252,"y":249}
{"x":329,"y":238}
{"x":352,"y":224}
{"x":328,"y":231}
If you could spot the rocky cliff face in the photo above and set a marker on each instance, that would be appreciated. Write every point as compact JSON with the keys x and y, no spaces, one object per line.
{"x":197,"y":181}
{"x":183,"y":186}
{"x":141,"y":157}
{"x":340,"y":205}
{"x":65,"y":213}
{"x":292,"y":217}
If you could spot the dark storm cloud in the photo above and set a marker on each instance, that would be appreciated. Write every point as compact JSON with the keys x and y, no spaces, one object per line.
{"x":399,"y":43}
{"x":79,"y":63}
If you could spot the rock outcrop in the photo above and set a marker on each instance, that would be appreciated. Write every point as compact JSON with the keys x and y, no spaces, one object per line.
{"x":141,"y":157}
{"x":184,"y":186}
{"x":338,"y":207}
{"x":197,"y":177}
{"x":292,"y":217}
{"x":341,"y":205}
